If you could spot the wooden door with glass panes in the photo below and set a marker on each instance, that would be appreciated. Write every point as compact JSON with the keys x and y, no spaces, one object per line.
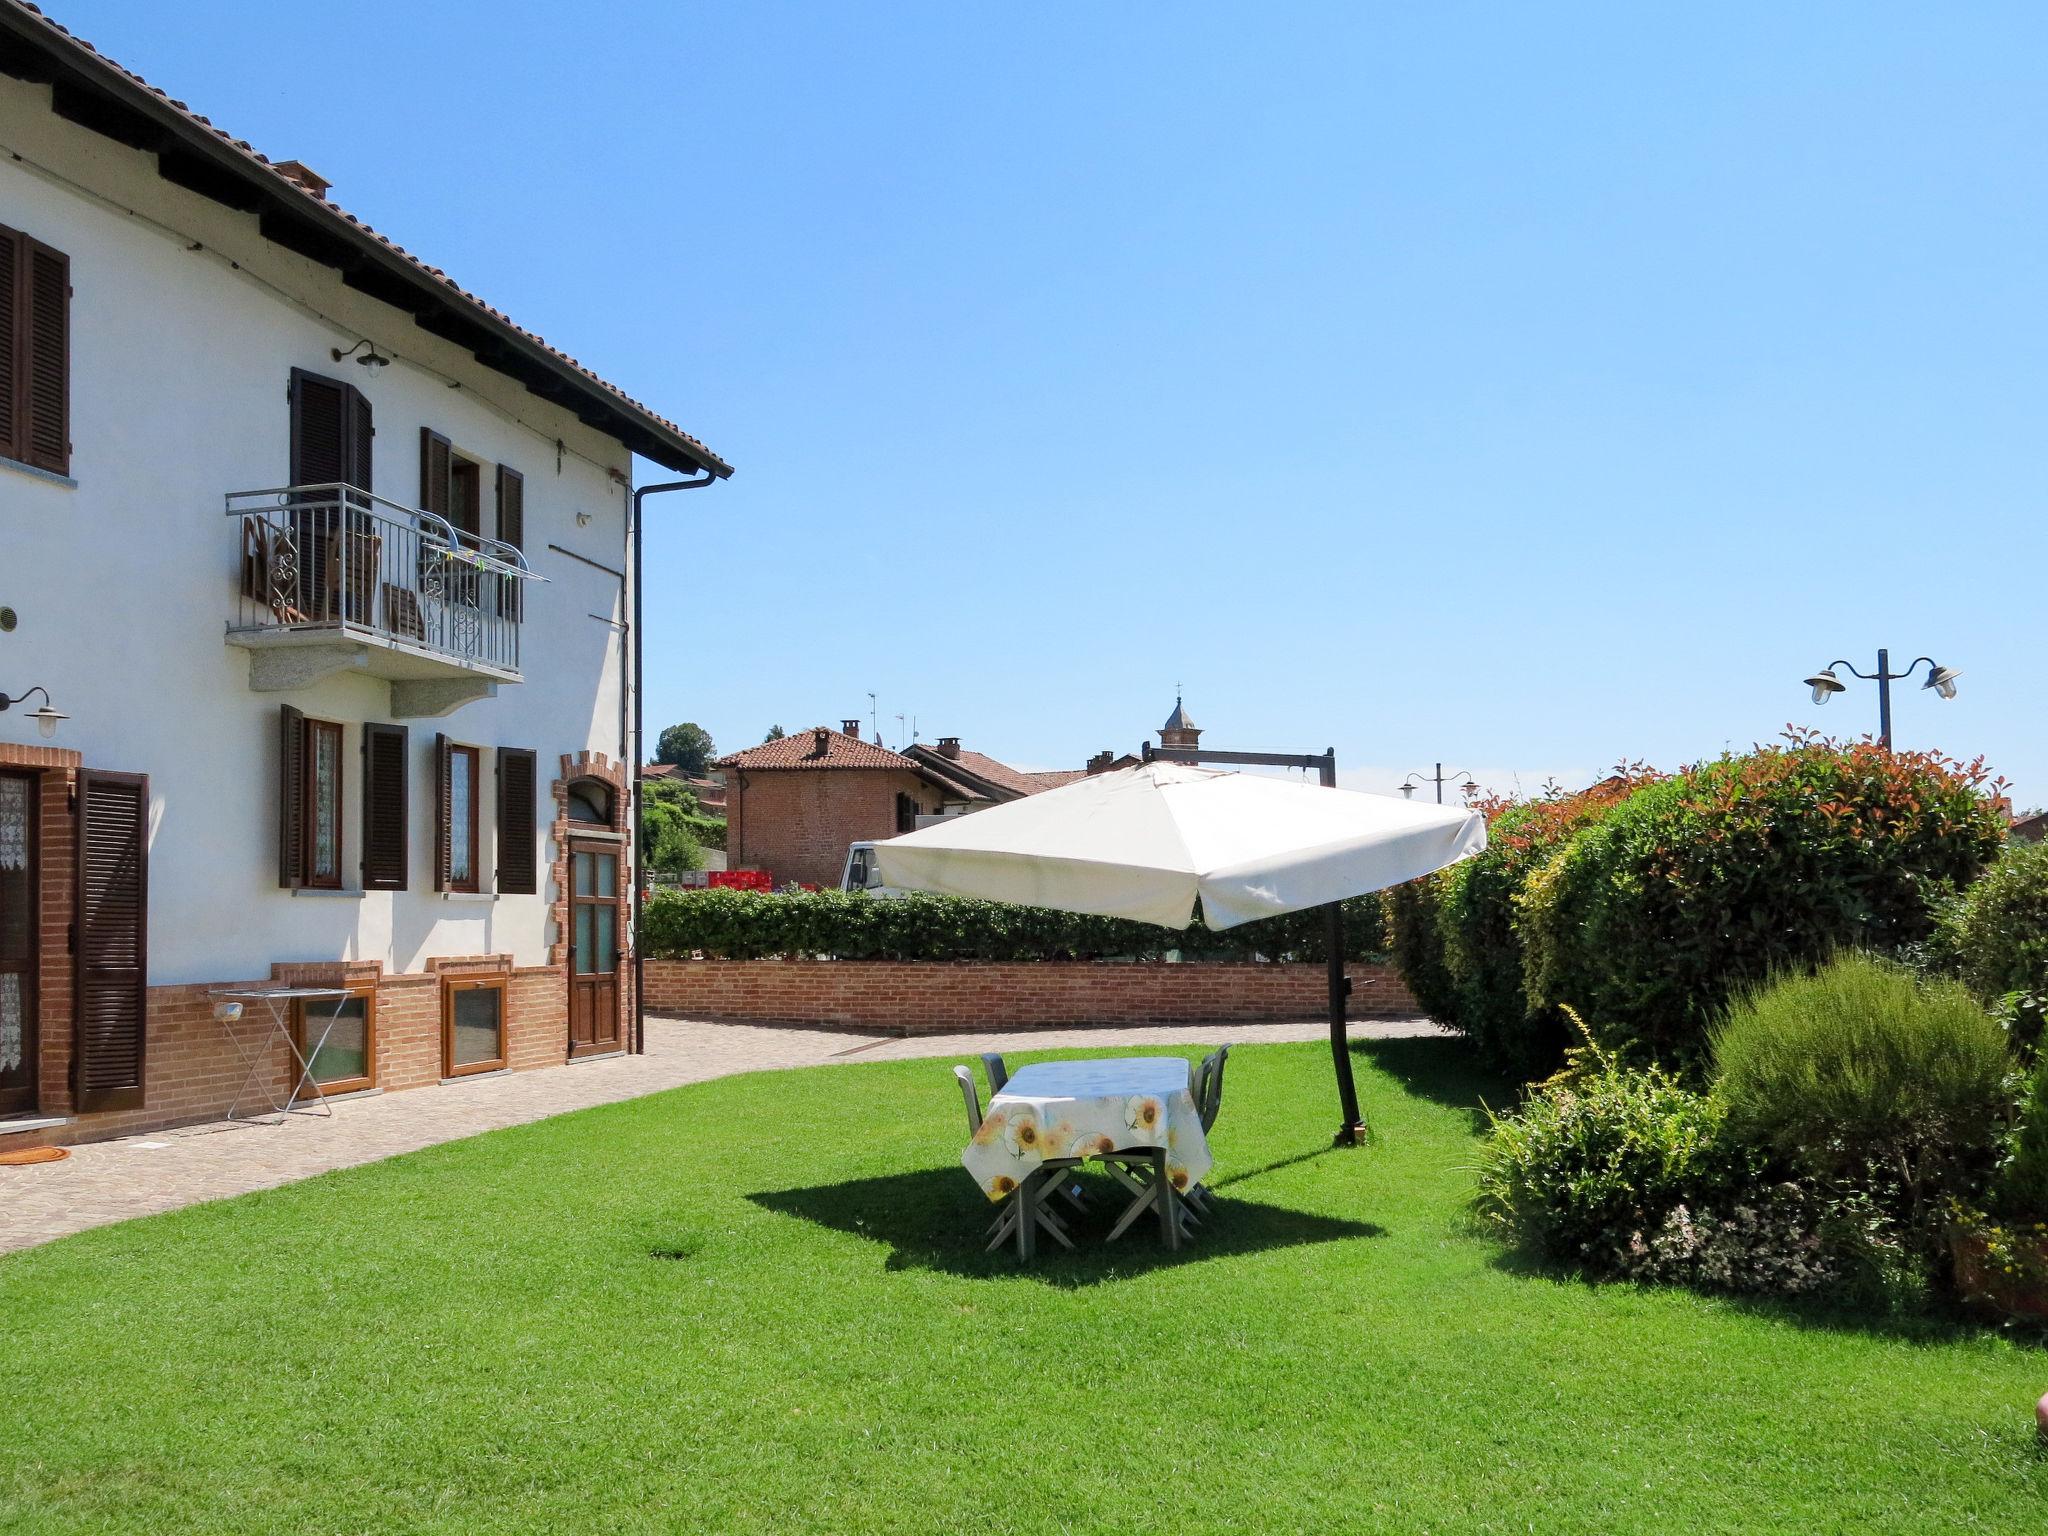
{"x":595,"y":931}
{"x":17,"y":942}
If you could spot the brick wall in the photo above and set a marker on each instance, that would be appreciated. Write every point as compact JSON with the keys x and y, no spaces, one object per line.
{"x":917,"y":997}
{"x":192,"y":1071}
{"x":796,"y":822}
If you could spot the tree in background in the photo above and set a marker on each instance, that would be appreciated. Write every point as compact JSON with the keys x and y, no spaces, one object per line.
{"x":673,"y":828}
{"x":775,"y":733}
{"x":688,"y":746}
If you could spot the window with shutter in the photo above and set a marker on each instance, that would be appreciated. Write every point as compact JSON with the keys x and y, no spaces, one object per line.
{"x":10,"y":340}
{"x":330,"y":445}
{"x":35,"y":353}
{"x":111,"y":939}
{"x":436,"y":456}
{"x":518,"y":822}
{"x":511,"y":530}
{"x":46,"y":360}
{"x":386,"y":829}
{"x":442,"y":752}
{"x":291,"y":798}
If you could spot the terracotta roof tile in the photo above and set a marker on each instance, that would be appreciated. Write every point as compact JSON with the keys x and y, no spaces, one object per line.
{"x":259,"y":167}
{"x":799,"y":749}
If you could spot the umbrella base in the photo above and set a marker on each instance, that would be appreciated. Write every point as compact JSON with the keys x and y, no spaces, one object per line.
{"x":1353,"y":1135}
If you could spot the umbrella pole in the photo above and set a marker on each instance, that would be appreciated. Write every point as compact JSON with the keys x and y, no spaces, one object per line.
{"x":1352,"y":1132}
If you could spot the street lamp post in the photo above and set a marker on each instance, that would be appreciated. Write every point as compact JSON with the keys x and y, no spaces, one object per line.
{"x":1825,"y":683}
{"x":1468,"y":788}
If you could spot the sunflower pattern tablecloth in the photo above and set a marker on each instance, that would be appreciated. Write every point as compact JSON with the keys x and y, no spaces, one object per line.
{"x":1086,"y":1108}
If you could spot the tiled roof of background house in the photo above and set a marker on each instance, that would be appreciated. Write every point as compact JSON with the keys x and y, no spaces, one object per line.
{"x":193,"y":153}
{"x":818,"y":747}
{"x":1053,"y":778}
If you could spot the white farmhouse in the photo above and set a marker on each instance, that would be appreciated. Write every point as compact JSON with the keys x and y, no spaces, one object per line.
{"x":326,"y":567}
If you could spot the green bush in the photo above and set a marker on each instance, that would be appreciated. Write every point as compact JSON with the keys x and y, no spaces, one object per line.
{"x":1585,"y":1169}
{"x":2020,"y":1187}
{"x":749,"y":925}
{"x":1995,"y":935}
{"x":673,"y":828}
{"x":1480,"y":938}
{"x":1869,"y":1078}
{"x":1415,"y":941}
{"x":1654,"y":914}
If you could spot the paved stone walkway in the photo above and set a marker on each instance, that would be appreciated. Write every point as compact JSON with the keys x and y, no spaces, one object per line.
{"x":139,"y":1175}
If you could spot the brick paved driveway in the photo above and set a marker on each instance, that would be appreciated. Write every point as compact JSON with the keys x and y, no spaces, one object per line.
{"x":139,"y":1175}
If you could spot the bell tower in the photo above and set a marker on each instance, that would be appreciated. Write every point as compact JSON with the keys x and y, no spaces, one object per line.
{"x":1179,"y":730}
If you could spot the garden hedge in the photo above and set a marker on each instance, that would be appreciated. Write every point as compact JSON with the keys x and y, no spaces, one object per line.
{"x":1648,"y":919}
{"x":750,"y":925}
{"x":1645,"y":902}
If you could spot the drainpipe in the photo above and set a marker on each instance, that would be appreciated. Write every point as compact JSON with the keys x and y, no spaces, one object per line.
{"x":639,"y":756}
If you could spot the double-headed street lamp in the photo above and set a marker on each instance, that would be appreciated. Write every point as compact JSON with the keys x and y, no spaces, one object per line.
{"x":1468,"y":788}
{"x":1825,"y":683}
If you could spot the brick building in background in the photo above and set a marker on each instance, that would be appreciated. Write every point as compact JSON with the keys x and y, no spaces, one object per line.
{"x":794,"y":806}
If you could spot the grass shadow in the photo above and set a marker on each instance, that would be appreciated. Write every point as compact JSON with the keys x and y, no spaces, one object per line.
{"x":935,"y":1218}
{"x":1443,"y":1069}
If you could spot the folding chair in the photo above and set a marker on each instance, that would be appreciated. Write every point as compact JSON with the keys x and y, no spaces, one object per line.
{"x":1012,"y":1220}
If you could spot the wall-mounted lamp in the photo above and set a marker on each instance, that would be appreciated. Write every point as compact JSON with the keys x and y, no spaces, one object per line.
{"x":371,"y":357}
{"x":45,"y":718}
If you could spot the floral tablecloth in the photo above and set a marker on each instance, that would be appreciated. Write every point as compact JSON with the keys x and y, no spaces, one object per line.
{"x":1059,"y":1109}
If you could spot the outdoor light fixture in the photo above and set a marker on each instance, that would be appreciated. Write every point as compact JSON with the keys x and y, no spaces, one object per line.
{"x":1941,"y":679}
{"x":1823,"y":683}
{"x":371,"y":358}
{"x":45,"y":718}
{"x":1468,"y":788}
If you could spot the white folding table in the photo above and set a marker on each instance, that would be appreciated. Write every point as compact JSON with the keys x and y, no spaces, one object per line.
{"x":255,"y":1055}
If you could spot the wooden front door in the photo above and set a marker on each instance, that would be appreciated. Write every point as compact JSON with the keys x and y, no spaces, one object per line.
{"x":18,"y":946}
{"x":595,"y":928}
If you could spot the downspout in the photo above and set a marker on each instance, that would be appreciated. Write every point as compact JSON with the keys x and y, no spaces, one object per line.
{"x":639,"y":756}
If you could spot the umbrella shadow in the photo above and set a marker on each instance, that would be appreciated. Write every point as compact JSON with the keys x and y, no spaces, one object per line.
{"x":934,"y":1218}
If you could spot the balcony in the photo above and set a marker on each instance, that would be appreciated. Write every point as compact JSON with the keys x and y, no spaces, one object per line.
{"x":335,"y":580}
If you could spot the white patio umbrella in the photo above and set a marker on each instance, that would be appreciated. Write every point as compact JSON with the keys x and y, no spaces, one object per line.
{"x":1145,"y":842}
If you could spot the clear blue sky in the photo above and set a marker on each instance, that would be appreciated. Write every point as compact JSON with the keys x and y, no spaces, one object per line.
{"x":1526,"y":387}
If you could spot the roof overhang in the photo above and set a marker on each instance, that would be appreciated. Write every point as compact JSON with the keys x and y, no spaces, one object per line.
{"x":94,"y":92}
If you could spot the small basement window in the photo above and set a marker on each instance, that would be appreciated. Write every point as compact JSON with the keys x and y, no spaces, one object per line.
{"x":472,"y":1025}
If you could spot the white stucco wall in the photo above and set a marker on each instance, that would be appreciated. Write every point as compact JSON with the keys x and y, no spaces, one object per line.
{"x":125,"y":580}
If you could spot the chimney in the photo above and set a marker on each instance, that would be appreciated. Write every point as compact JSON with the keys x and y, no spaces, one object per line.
{"x":1100,"y":762}
{"x":305,"y":176}
{"x":949,"y":746}
{"x":851,"y":728}
{"x":821,"y":745}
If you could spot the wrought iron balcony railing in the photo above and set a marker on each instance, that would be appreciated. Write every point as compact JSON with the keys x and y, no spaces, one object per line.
{"x":335,"y":560}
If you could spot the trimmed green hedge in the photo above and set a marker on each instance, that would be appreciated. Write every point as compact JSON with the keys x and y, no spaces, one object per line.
{"x":752,"y":925}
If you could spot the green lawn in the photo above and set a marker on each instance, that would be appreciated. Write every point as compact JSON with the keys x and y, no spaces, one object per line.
{"x":760,"y":1305}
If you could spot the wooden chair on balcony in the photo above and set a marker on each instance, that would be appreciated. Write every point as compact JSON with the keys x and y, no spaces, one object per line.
{"x":270,"y":571}
{"x":354,"y":557}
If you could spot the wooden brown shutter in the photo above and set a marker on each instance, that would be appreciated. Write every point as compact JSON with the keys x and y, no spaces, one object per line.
{"x":10,"y":340}
{"x":386,"y":827}
{"x":443,"y":796}
{"x":45,"y":345}
{"x":357,"y":443}
{"x":322,"y":429}
{"x":518,"y":853}
{"x":437,"y":458}
{"x":111,"y":939}
{"x":512,"y":530}
{"x":291,"y":798}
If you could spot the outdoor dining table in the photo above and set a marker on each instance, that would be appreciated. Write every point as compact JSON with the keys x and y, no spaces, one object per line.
{"x":255,"y":1054}
{"x":1052,"y":1111}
